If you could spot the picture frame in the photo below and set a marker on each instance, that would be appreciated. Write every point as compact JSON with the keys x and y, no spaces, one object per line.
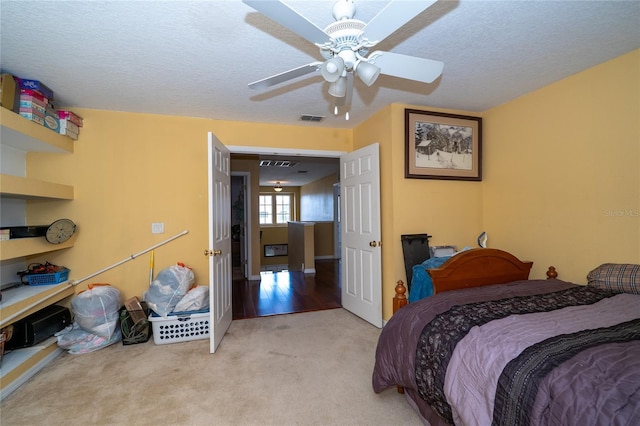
{"x":273,"y":250}
{"x":442,"y":146}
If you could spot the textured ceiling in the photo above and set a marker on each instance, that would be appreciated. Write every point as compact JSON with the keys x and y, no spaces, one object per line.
{"x":195,"y":58}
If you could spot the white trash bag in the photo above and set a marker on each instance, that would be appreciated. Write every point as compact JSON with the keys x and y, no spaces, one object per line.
{"x":169,"y":287}
{"x":195,"y":300}
{"x":96,"y":309}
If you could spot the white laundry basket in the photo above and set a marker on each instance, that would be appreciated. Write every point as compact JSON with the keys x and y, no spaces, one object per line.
{"x":180,"y":327}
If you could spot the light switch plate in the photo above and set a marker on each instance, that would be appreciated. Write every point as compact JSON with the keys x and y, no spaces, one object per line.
{"x":157,"y":228}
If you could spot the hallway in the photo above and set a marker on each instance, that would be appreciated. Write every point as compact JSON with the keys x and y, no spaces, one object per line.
{"x":288,"y":292}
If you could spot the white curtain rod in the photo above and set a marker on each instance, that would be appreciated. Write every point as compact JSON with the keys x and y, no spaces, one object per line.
{"x":133,"y":256}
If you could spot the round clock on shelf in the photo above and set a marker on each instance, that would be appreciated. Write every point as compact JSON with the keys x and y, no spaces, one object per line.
{"x":60,"y":231}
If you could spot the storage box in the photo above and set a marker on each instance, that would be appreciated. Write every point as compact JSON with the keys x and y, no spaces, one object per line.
{"x":68,"y":133}
{"x":134,"y":322}
{"x":180,"y":327}
{"x":67,"y":125}
{"x":47,"y":279}
{"x":34,"y":94}
{"x":71,"y":116}
{"x":10,"y":96}
{"x":29,"y":102}
{"x":33,"y":117}
{"x":51,"y":121}
{"x":33,"y":108}
{"x":28,"y":84}
{"x":68,"y":128}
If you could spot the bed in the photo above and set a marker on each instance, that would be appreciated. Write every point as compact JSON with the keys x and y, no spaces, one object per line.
{"x":493,"y":347}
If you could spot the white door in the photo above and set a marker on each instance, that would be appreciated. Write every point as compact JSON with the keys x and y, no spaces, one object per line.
{"x":361,"y":237}
{"x":219,"y":251}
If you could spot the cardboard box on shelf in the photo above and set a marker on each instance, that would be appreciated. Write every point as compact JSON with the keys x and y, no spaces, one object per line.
{"x":33,"y":117}
{"x":51,"y":122}
{"x":34,"y":95}
{"x":29,"y":102}
{"x":71,"y":116}
{"x":10,"y":96}
{"x":36,"y":85}
{"x":28,"y":112}
{"x":68,"y":133}
{"x":65,"y":124}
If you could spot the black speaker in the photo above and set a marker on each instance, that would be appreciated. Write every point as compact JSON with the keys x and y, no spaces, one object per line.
{"x":38,"y":327}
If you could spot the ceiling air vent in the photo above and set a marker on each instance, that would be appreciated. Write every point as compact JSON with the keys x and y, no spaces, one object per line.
{"x":307,"y":117}
{"x":277,"y":163}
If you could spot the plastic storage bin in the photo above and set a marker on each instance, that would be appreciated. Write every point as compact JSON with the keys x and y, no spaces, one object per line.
{"x":180,"y":327}
{"x":46,"y":279}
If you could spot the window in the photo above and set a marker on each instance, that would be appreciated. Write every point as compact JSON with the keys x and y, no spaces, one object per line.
{"x":275,"y":209}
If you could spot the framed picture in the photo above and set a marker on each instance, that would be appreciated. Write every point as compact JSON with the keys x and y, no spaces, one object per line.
{"x":442,"y":146}
{"x":272,"y":250}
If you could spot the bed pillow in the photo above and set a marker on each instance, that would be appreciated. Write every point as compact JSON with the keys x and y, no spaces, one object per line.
{"x":623,"y":277}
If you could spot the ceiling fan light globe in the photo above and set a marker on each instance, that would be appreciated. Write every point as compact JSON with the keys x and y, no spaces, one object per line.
{"x":344,"y":9}
{"x":332,"y":69}
{"x":338,"y":88}
{"x":367,"y":72}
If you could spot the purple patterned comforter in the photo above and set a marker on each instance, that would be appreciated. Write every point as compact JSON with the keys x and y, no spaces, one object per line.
{"x":491,"y":355}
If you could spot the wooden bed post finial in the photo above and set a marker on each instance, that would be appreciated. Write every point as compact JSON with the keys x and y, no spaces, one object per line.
{"x":400,"y":299}
{"x":552,"y":273}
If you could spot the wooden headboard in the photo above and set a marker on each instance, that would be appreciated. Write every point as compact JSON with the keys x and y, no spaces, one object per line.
{"x":473,"y":268}
{"x":478,"y":267}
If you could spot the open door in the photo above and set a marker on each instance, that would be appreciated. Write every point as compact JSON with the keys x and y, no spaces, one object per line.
{"x":219,"y":251}
{"x":361,"y":235}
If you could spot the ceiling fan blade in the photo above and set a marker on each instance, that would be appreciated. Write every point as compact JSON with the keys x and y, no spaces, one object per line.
{"x":345,"y":101}
{"x":289,"y":18}
{"x":285,"y":76}
{"x":404,"y":66}
{"x":392,"y":17}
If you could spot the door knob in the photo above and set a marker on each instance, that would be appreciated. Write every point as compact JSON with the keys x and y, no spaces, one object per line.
{"x":212,"y":252}
{"x":373,"y":244}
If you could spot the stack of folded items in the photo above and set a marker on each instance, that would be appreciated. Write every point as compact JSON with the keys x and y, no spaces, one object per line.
{"x":36,"y":103}
{"x":70,"y":124}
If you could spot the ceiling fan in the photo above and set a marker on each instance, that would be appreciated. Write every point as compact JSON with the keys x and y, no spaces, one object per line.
{"x":345,"y":45}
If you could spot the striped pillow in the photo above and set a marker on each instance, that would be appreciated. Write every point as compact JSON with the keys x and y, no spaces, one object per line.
{"x":622,"y":278}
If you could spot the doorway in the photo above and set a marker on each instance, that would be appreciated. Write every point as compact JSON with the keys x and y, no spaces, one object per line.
{"x":268,"y":293}
{"x":239,"y":225}
{"x":364,"y":166}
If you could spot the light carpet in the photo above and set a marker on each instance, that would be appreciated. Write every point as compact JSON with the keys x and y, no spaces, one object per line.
{"x":310,"y":368}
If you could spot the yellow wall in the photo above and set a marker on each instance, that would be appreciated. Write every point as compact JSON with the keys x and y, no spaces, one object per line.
{"x":323,"y":238}
{"x":130,"y":170}
{"x":562,"y":171}
{"x":316,"y":199}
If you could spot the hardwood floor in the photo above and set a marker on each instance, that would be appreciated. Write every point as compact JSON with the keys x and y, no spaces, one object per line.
{"x":288,"y":292}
